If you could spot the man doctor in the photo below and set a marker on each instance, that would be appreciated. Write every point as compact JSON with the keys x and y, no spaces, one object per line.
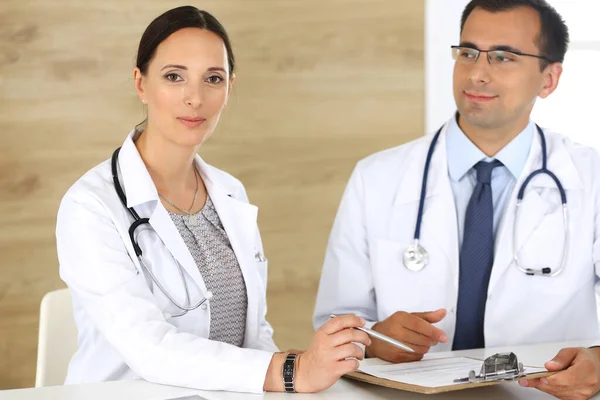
{"x":510,"y":53}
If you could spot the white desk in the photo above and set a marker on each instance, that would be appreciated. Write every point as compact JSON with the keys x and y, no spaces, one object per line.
{"x":345,"y":389}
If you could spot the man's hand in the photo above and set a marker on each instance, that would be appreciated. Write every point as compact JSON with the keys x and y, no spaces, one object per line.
{"x":414,"y":329}
{"x":579,"y":376}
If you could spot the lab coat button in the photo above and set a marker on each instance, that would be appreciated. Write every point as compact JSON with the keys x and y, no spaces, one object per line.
{"x":204,"y":307}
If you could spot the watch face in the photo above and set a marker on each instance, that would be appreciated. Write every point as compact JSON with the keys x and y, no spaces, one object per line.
{"x":288,"y":371}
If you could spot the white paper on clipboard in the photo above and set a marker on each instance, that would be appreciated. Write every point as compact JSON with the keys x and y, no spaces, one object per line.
{"x":428,"y":373}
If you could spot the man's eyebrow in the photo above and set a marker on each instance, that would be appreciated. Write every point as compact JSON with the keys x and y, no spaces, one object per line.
{"x":503,"y":47}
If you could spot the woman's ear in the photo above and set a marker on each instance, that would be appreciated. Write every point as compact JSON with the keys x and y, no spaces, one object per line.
{"x":231,"y":81}
{"x":138,"y":81}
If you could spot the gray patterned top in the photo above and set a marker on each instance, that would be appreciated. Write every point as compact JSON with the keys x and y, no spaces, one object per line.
{"x":207,"y":240}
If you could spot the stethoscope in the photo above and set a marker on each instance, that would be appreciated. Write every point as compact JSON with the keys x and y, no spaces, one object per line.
{"x":138,"y":250}
{"x":416,"y":257}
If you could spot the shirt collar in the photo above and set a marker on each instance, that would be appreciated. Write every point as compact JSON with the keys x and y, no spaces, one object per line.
{"x":463,"y":154}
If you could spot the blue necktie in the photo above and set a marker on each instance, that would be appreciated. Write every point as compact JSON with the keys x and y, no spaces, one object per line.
{"x":476,"y":259}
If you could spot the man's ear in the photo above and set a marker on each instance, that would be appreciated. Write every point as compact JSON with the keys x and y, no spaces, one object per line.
{"x":552,"y":75}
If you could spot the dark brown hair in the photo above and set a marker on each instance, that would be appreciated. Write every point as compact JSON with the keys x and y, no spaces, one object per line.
{"x":554,"y":36}
{"x":170,"y":22}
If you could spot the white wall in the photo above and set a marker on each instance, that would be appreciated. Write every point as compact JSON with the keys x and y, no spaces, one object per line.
{"x":569,"y":110}
{"x":442,"y":30}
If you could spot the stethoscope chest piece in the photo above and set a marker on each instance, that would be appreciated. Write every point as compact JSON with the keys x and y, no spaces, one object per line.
{"x":415,"y":257}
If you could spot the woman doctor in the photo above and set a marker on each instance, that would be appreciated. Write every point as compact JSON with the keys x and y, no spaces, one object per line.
{"x":190,"y":311}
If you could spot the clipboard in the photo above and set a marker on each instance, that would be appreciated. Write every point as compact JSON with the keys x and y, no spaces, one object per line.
{"x":374,"y":380}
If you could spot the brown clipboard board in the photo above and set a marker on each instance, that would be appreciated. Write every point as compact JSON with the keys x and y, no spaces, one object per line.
{"x":362,"y":377}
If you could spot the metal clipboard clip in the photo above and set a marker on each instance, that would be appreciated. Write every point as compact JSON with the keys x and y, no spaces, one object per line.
{"x":499,"y":367}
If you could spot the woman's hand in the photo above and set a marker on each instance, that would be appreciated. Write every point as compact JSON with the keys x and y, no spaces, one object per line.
{"x":326,"y":359}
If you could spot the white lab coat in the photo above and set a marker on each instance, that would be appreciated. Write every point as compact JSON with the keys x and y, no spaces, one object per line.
{"x":126,"y":330}
{"x":364,"y":273}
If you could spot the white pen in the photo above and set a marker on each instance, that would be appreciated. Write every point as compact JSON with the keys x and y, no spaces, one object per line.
{"x":381,"y":337}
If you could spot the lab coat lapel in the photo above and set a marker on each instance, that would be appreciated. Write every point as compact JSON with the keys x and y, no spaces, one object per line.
{"x":439,"y":215}
{"x":142,"y":195}
{"x":166,"y":229}
{"x":537,"y":201}
{"x":438,"y":228}
{"x":239,"y":221}
{"x":533,"y":209}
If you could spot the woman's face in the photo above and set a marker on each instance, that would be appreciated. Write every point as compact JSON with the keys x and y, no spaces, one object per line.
{"x":186,"y":86}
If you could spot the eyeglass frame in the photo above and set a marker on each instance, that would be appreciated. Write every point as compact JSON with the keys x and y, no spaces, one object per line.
{"x":504,"y":50}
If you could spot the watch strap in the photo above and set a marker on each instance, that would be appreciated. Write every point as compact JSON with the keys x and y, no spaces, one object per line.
{"x":289,"y":373}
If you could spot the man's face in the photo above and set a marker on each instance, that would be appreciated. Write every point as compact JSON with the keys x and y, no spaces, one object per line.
{"x":500,"y":95}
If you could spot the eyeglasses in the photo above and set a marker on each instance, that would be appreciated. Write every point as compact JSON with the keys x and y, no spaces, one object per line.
{"x":469,"y":55}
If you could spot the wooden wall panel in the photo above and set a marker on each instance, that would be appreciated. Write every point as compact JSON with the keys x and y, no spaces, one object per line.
{"x":320,"y":84}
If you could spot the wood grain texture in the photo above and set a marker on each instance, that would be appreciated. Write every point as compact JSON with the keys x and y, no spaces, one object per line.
{"x":320,"y":84}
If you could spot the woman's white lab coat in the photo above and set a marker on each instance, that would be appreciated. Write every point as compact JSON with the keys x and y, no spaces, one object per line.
{"x":125,"y":323}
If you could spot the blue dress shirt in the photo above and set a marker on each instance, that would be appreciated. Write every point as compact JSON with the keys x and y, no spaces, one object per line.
{"x":462,"y":155}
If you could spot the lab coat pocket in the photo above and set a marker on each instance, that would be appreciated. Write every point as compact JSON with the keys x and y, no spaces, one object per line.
{"x":544,"y":249}
{"x":396,"y":287}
